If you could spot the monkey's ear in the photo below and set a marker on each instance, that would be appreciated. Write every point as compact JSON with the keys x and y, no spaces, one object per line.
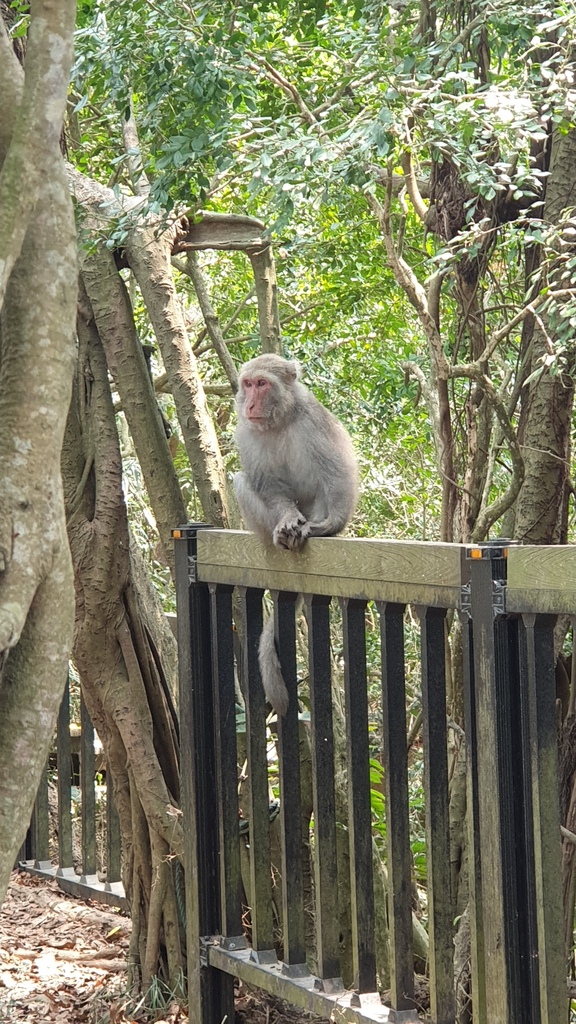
{"x":294,"y":369}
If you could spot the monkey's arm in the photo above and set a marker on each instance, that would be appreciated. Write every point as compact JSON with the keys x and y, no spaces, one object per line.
{"x":274,"y":516}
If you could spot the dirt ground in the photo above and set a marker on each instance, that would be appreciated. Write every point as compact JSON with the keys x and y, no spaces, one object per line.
{"x":63,"y":961}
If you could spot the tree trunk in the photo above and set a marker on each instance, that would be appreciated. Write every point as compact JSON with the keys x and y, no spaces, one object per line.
{"x":38,"y":299}
{"x":112,"y":312}
{"x":540,"y":514}
{"x":118,"y":654}
{"x":149,"y":257}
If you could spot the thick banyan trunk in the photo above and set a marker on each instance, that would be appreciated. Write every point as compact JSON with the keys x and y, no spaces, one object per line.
{"x":541,"y":511}
{"x":118,"y":655}
{"x":37,"y":303}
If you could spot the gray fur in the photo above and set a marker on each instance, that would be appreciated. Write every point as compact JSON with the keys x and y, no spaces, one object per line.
{"x":299,"y":478}
{"x":272,"y":678}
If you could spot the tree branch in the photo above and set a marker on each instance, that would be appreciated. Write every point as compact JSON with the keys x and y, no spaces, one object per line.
{"x":488,"y":516}
{"x":211,"y":320}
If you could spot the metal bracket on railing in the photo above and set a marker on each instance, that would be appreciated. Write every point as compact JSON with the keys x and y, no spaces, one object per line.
{"x":465,"y":599}
{"x":192,"y":569}
{"x":498,"y":598}
{"x":205,"y":942}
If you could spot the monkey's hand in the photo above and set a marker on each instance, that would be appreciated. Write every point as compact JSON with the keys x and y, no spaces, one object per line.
{"x":291,"y":531}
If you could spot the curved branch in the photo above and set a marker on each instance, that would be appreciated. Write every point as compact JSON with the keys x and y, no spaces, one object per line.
{"x":412,"y":186}
{"x":493,"y":512}
{"x":211,"y":320}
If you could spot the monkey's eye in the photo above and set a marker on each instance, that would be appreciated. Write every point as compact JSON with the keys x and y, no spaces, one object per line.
{"x":261,"y":383}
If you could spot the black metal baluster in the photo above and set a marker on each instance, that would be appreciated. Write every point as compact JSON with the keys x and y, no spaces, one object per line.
{"x":113,"y":842}
{"x":294,"y":956}
{"x":440,"y":903}
{"x":541,"y":760}
{"x":395,"y":761}
{"x":87,"y":780}
{"x":325,"y":865}
{"x":478,"y":967}
{"x":499,"y":775}
{"x":210,"y":991}
{"x":64,"y":785}
{"x":359,"y":808}
{"x":226,"y":766}
{"x":258,"y":800}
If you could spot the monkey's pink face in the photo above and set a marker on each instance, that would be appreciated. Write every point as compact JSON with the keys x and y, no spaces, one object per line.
{"x":256,"y":391}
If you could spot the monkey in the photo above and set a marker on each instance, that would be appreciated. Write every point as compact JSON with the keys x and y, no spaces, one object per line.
{"x":299,"y":475}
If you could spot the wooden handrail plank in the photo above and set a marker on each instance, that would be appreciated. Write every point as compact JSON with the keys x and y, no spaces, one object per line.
{"x":542,"y":579}
{"x":382,"y":570}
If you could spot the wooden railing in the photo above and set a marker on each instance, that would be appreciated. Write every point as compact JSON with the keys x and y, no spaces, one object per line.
{"x":507,"y":599}
{"x":74,"y":766}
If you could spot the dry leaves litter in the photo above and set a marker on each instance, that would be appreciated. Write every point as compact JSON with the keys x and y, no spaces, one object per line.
{"x":60,"y":958}
{"x":63,"y":961}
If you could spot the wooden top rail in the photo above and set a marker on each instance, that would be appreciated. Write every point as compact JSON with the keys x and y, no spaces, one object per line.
{"x":542,"y":579}
{"x":404,"y":572}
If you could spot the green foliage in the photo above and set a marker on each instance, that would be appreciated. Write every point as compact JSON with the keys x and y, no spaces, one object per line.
{"x":294,"y":112}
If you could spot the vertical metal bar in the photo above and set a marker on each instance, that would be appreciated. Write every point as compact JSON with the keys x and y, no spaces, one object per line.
{"x":64,"y":781}
{"x":87,"y":779}
{"x":113,"y":844}
{"x":226,"y":766}
{"x":473,"y":826}
{"x":440,"y":902}
{"x":258,"y":800}
{"x":359,"y":809}
{"x":524,"y":827}
{"x":538,"y":651}
{"x":294,"y":956}
{"x":41,"y":825}
{"x":24,"y":851}
{"x":395,"y":761}
{"x":210,"y":992}
{"x":497,"y":766}
{"x":325,"y":866}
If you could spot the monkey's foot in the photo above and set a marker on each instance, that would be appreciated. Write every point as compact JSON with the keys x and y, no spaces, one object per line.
{"x":291,"y":532}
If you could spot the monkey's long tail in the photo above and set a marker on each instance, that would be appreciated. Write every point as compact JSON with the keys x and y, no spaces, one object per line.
{"x":272,"y":679}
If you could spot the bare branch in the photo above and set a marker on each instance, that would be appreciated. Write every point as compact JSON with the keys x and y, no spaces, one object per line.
{"x":412,"y":186}
{"x":211,"y":320}
{"x":138,"y":177}
{"x":493,"y":512}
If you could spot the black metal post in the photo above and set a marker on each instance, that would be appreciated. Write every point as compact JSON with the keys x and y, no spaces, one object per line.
{"x":395,"y":761}
{"x":64,"y":782}
{"x":113,"y":840}
{"x":294,"y":956}
{"x":537,"y":661}
{"x":478,"y":967}
{"x":325,"y":865}
{"x":87,"y":780}
{"x":359,"y":808}
{"x":263,"y":951}
{"x":40,"y":826}
{"x":500,"y":789}
{"x":210,"y":992}
{"x":440,"y":900}
{"x":226,"y":766}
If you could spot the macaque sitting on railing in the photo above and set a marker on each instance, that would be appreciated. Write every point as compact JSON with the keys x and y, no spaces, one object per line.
{"x":299,"y":475}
